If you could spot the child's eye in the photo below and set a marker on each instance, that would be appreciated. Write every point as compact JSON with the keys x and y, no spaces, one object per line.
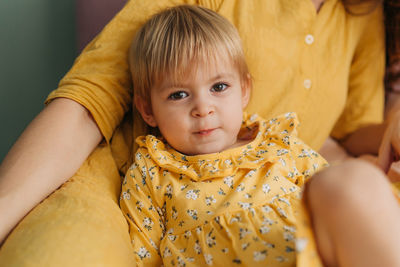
{"x":219,"y":87}
{"x":177,"y":95}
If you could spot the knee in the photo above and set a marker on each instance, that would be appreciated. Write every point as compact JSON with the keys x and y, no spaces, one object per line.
{"x":349,"y":183}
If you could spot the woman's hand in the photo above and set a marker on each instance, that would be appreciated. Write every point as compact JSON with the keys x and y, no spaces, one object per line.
{"x":389,"y":149}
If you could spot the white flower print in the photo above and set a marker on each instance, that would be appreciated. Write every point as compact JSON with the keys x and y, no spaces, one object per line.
{"x":289,"y":116}
{"x":181,"y":262}
{"x":243,"y":232}
{"x":168,"y":191}
{"x":280,"y":259}
{"x":143,"y":253}
{"x":183,"y":187}
{"x":184,"y":167}
{"x":240,"y":187}
{"x":170,"y":231}
{"x":126,"y":195}
{"x":144,"y":175}
{"x":193,"y":214}
{"x":236,"y":218}
{"x":245,"y":246}
{"x":307,"y":173}
{"x":282,"y":212}
{"x":192,"y":194}
{"x":137,"y":187}
{"x":172,"y":237}
{"x":139,"y":205}
{"x":259,"y":255}
{"x":293,"y":189}
{"x":284,"y":200}
{"x":143,"y":172}
{"x":253,"y":117}
{"x":315,"y":166}
{"x":208,"y":258}
{"x":245,"y":205}
{"x":221,"y":192}
{"x":151,"y":172}
{"x":210,"y":239}
{"x":228,"y":162}
{"x":209,"y":200}
{"x":286,"y":139}
{"x":197,"y":247}
{"x":288,"y":236}
{"x":301,"y":244}
{"x":133,"y":166}
{"x":148,"y":223}
{"x":190,"y":259}
{"x":153,"y":244}
{"x":257,"y":160}
{"x":264,"y":229}
{"x":229,"y":181}
{"x":187,"y":234}
{"x":260,"y":152}
{"x":247,"y":196}
{"x":289,"y":228}
{"x":268,"y":221}
{"x":304,"y":153}
{"x":266,"y":188}
{"x":266,"y":209}
{"x":167,"y":252}
{"x":174,"y":213}
{"x":250,"y":174}
{"x":281,"y":152}
{"x":138,"y":156}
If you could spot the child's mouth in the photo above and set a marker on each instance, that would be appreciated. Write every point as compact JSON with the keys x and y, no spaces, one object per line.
{"x":205,"y":132}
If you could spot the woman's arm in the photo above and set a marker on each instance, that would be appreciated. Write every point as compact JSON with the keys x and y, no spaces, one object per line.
{"x":49,"y":151}
{"x":365,"y":140}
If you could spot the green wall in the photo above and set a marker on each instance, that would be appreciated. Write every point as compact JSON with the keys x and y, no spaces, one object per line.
{"x":37,"y":47}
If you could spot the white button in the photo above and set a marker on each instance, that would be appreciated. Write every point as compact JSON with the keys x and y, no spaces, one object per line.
{"x":307,"y":83}
{"x":309,"y":39}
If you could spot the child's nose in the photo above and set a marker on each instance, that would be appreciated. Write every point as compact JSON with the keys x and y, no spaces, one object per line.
{"x":202,"y":109}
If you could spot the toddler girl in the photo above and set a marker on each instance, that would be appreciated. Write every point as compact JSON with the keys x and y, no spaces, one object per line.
{"x":219,"y":187}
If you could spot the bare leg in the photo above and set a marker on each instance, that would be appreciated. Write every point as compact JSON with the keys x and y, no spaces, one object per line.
{"x":355,"y":216}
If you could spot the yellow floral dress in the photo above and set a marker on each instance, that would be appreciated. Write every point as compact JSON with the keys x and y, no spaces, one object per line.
{"x":238,"y":207}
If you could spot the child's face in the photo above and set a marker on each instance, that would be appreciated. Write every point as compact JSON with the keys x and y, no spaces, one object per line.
{"x":201,"y":113}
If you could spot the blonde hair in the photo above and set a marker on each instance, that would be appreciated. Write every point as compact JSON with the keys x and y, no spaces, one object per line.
{"x":173,"y":41}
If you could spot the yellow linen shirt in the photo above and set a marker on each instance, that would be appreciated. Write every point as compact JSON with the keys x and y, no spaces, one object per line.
{"x":327,"y":66}
{"x":237,"y":207}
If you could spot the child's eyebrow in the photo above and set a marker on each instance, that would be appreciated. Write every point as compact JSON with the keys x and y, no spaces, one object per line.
{"x":222,"y":76}
{"x":179,"y":84}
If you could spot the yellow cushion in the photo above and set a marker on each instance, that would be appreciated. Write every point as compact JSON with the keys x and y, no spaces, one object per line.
{"x":78,"y":225}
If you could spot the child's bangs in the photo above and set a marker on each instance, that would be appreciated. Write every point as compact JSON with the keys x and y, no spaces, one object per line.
{"x":185,"y":61}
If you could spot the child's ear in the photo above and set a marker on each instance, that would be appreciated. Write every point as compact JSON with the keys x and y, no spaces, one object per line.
{"x":144,"y":108}
{"x":246,"y":90}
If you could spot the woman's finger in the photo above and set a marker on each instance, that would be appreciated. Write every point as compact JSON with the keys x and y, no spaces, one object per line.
{"x":385,"y":151}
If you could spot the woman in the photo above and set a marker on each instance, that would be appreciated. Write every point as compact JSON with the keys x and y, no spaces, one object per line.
{"x":314,"y":56}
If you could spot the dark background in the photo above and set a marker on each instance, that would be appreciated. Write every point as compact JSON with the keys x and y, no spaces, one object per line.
{"x":39,"y":41}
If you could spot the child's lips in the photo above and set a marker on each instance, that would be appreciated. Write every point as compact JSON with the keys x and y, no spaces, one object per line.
{"x":205,"y":132}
